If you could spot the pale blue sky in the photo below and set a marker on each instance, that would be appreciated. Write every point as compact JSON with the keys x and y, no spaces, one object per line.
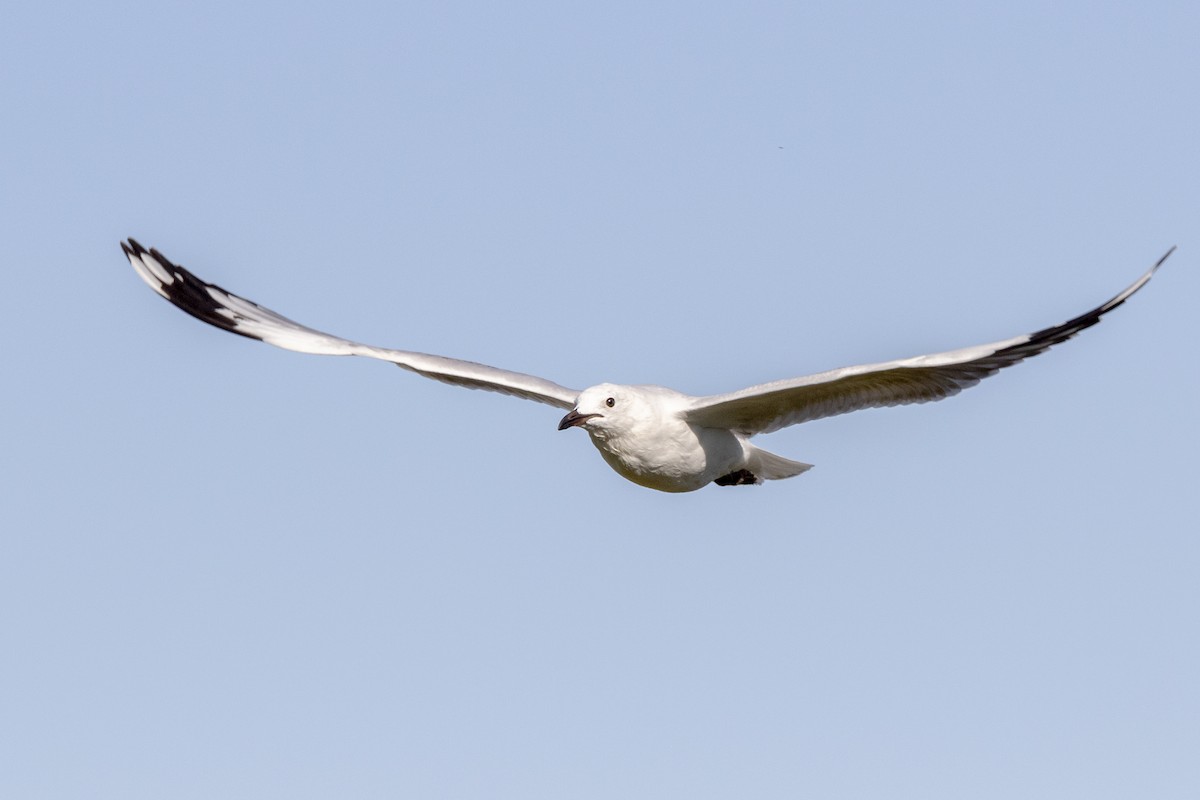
{"x":231,"y":571}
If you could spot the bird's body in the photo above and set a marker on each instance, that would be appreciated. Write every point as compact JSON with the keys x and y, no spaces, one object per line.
{"x":653,"y":446}
{"x":654,"y":436}
{"x":645,"y":436}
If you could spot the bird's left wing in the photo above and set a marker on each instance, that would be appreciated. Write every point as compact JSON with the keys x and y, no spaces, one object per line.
{"x":225,"y":310}
{"x":771,"y":406}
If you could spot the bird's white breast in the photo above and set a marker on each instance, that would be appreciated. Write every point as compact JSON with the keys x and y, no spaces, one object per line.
{"x":656,"y":448}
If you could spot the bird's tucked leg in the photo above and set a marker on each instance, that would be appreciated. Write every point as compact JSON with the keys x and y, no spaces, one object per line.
{"x":743,"y":477}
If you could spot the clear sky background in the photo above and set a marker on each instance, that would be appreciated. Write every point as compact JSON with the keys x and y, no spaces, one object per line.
{"x":231,"y":571}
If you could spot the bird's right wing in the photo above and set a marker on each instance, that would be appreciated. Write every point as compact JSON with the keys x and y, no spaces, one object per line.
{"x":225,"y":310}
{"x":771,"y":406}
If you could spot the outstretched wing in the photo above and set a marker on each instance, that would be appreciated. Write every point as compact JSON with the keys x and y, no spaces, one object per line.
{"x":771,"y":406}
{"x":225,"y":310}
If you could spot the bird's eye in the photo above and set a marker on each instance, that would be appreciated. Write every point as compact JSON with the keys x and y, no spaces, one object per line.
{"x":610,"y":402}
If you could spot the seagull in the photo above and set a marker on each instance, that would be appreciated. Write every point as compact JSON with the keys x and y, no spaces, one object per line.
{"x":654,"y":436}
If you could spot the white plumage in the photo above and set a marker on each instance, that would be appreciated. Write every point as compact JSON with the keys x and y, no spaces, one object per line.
{"x":654,"y":436}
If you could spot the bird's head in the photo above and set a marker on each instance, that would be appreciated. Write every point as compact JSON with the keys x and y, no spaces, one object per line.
{"x":602,"y":410}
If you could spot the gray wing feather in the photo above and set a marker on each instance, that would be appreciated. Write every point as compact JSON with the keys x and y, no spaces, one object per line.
{"x":771,"y":406}
{"x":225,"y":310}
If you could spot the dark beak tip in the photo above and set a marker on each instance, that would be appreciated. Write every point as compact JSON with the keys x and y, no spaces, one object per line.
{"x":573,"y":419}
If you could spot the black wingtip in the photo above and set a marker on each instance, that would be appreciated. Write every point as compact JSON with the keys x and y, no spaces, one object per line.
{"x":1047,"y":337}
{"x":166,"y":262}
{"x":187,"y":292}
{"x":1165,"y":256}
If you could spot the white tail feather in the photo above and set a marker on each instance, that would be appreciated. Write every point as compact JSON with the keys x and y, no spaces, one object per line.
{"x":770,"y":467}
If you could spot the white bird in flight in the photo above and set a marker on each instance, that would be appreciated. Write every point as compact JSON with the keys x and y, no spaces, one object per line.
{"x":654,"y":436}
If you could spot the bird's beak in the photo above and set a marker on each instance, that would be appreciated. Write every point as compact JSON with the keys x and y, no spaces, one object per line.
{"x":573,"y":419}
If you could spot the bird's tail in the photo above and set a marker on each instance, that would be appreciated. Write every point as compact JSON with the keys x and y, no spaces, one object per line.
{"x":770,"y":467}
